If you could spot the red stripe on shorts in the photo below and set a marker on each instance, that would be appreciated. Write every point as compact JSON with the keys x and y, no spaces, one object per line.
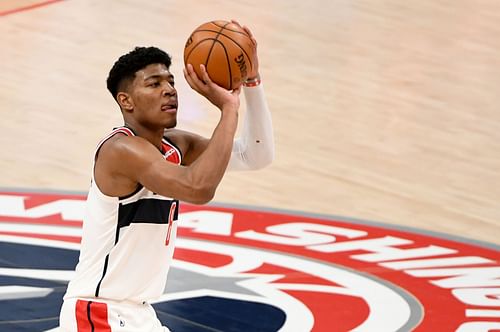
{"x":99,"y":317}
{"x":82,"y":320}
{"x":94,"y":321}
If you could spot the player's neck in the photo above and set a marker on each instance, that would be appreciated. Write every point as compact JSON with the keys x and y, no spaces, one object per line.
{"x":153,"y":136}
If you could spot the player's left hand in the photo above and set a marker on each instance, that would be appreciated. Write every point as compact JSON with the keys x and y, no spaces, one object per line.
{"x":254,"y":73}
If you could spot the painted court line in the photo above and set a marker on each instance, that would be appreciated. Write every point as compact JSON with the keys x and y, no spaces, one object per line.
{"x":28,"y":7}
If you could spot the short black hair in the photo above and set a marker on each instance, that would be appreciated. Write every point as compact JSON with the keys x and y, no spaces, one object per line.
{"x":128,"y":64}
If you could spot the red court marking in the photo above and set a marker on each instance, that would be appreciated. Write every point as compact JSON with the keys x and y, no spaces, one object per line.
{"x":28,"y":7}
{"x":437,"y":308}
{"x":73,"y":239}
{"x":42,"y":221}
{"x":204,"y":258}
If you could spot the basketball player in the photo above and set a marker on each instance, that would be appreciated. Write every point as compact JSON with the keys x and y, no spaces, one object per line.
{"x":141,"y":171}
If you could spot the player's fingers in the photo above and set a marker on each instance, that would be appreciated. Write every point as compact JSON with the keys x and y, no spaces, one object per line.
{"x":252,"y":38}
{"x":248,"y":31}
{"x":204,"y":75}
{"x":235,"y":22}
{"x":236,"y":91}
{"x":189,"y":70}
{"x":192,"y":79}
{"x":254,"y":41}
{"x":245,"y":28}
{"x":188,"y":73}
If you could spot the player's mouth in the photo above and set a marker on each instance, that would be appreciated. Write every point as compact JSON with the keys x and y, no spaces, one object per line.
{"x":169,"y":108}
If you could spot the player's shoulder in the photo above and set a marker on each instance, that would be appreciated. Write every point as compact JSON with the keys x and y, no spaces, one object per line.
{"x":173,"y":133}
{"x":181,"y":138}
{"x":120,"y":140}
{"x":121,"y":144}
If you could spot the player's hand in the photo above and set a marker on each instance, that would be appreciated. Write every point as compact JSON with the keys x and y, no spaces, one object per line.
{"x":254,"y":73}
{"x":216,"y":94}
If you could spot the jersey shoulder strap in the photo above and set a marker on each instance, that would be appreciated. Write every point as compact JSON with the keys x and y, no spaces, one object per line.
{"x":170,"y":151}
{"x":123,"y":130}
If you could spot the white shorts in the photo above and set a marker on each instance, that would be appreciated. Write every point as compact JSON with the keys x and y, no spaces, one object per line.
{"x":108,"y":316}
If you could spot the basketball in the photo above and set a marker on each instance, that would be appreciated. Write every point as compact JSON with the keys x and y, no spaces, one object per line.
{"x":224,"y":48}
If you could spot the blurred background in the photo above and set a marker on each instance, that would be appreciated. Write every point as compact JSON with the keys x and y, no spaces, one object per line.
{"x":383,"y":110}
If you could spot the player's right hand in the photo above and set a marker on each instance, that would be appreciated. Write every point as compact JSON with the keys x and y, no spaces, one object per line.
{"x":225,"y":100}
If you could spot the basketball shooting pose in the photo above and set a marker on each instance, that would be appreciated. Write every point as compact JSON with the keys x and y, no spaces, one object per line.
{"x":141,"y":171}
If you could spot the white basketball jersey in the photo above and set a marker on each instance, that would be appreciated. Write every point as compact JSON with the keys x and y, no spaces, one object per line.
{"x":127,"y":242}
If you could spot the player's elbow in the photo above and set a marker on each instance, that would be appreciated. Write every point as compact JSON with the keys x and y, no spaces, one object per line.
{"x":267,"y":159}
{"x":205,"y":198}
{"x":202,"y":194}
{"x":264,"y":159}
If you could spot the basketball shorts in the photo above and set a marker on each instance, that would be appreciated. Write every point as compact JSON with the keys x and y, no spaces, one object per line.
{"x":99,"y":316}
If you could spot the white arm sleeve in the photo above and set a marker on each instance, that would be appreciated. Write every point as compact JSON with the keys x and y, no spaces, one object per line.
{"x":254,"y":148}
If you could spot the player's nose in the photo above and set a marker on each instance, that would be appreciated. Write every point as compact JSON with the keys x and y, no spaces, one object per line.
{"x":168,"y":89}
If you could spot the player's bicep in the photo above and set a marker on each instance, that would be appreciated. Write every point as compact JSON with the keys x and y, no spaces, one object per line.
{"x":145,"y":165}
{"x":166,"y":179}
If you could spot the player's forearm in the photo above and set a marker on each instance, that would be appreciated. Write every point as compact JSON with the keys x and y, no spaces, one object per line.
{"x":207,"y":171}
{"x":255,"y":147}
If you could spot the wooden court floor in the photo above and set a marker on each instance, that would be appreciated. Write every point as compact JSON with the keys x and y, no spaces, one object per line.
{"x":383,"y":110}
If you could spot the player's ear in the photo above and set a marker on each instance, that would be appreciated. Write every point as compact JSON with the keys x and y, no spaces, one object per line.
{"x":125,"y":101}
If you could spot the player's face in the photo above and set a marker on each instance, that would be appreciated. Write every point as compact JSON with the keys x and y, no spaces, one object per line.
{"x":154,"y":96}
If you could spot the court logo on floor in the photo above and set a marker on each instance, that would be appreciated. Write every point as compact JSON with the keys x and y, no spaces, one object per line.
{"x":240,"y":269}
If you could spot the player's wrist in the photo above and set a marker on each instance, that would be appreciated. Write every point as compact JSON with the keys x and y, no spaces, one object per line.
{"x":229,"y":120}
{"x":252,"y":81}
{"x":229,"y":109}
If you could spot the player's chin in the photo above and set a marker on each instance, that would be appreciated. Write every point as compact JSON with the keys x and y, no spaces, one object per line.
{"x":169,"y":115}
{"x":170,"y":123}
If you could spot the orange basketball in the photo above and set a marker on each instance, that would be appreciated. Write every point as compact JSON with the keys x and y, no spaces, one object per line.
{"x":224,"y":48}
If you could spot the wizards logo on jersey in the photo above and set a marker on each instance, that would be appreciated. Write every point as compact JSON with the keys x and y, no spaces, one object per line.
{"x":246,"y":270}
